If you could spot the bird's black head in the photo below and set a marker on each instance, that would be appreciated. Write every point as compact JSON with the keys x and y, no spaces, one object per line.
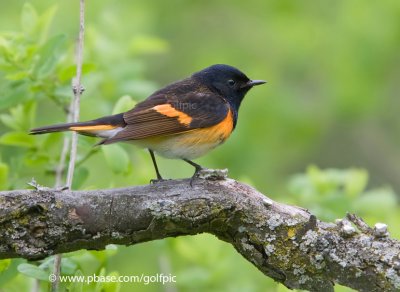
{"x":228,"y":81}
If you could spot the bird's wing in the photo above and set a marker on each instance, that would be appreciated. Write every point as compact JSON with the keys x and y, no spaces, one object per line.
{"x":167,"y":114}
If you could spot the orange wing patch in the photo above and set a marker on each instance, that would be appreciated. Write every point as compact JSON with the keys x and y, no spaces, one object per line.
{"x":93,"y":128}
{"x":169,"y":111}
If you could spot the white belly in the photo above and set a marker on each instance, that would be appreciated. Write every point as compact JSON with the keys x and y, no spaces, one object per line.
{"x":181,"y":146}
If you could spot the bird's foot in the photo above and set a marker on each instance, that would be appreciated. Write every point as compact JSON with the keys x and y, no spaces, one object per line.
{"x":209,"y":174}
{"x":158,"y":180}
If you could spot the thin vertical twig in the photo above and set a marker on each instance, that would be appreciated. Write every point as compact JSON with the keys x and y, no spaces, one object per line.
{"x":64,"y":152}
{"x":77,"y":89}
{"x":73,"y":116}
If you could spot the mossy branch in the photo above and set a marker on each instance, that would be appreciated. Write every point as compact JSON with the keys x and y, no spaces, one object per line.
{"x":284,"y":242}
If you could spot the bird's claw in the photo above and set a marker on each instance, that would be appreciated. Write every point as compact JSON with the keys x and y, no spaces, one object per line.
{"x":209,"y":174}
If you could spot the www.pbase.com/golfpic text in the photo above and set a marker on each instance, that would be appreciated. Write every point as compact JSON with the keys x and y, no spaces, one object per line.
{"x":142,"y":278}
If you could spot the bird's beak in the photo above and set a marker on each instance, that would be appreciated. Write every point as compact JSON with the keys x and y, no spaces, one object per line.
{"x":249,"y":84}
{"x":256,"y":82}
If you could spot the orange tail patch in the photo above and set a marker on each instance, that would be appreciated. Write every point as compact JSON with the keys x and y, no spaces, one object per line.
{"x":93,"y":128}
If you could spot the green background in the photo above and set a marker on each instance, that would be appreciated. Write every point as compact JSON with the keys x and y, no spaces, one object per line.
{"x":323,"y":133}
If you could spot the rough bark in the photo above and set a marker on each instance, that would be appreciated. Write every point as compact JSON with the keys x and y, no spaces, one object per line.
{"x":284,"y":242}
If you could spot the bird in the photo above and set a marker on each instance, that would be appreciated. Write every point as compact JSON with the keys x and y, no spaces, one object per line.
{"x":183,"y":120}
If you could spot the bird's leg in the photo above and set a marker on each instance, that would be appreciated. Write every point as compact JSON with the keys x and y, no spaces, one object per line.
{"x":196,"y":172}
{"x":153,"y":158}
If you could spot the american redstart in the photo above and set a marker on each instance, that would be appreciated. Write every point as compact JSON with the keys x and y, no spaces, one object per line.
{"x":183,"y":120}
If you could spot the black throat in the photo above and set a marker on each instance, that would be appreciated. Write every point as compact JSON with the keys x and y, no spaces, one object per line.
{"x":234,"y":104}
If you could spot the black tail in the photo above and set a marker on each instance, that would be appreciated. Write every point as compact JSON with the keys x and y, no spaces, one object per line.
{"x":113,"y":121}
{"x":53,"y":128}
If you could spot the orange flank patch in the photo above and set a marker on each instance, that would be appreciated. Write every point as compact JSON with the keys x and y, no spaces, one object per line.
{"x":169,"y":111}
{"x":93,"y":128}
{"x":212,"y":135}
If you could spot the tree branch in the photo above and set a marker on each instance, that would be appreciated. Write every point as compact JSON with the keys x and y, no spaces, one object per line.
{"x":285,"y":242}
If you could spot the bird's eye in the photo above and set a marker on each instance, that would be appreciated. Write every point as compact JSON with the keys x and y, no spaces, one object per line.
{"x":231,"y":82}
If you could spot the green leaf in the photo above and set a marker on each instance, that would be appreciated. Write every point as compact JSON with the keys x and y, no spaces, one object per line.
{"x":21,"y":117}
{"x":49,"y":56}
{"x":45,"y":21}
{"x":14,"y":93}
{"x":17,"y":114}
{"x":29,"y":114}
{"x":320,"y":180}
{"x":123,"y":104}
{"x":112,"y":286}
{"x":4,"y":43}
{"x":29,"y":18}
{"x":3,"y":180}
{"x":357,"y":180}
{"x":80,"y":176}
{"x":4,"y":264}
{"x":100,"y":284}
{"x":378,"y":202}
{"x":20,"y":139}
{"x":68,"y":266}
{"x":76,"y":286}
{"x":47,"y":263}
{"x":33,"y":271}
{"x":17,"y":76}
{"x":86,"y":261}
{"x":9,"y":121}
{"x":116,"y":158}
{"x":70,"y":71}
{"x":10,"y":272}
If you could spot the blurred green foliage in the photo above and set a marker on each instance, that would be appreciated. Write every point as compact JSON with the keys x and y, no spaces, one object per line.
{"x":332,"y":100}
